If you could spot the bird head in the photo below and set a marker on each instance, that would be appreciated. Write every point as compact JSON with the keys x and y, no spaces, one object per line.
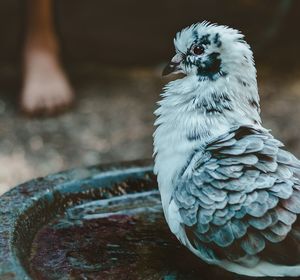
{"x":210,"y":51}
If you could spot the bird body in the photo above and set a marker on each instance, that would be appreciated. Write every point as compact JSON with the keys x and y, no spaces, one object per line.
{"x":230,"y":193}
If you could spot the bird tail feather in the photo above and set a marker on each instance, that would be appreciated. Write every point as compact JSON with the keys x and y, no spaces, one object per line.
{"x":262,"y":269}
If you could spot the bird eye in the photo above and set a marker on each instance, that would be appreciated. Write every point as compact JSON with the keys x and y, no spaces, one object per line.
{"x":198,"y":50}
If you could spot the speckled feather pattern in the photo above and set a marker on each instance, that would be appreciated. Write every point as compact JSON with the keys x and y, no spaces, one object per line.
{"x":244,"y":191}
{"x":229,"y":190}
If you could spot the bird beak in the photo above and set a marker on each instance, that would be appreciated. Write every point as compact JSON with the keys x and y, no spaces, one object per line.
{"x":173,"y":66}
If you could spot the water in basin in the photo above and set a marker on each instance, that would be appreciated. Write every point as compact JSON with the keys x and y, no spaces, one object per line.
{"x":123,"y":237}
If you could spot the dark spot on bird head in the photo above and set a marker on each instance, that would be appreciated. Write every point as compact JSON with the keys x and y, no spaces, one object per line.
{"x":241,"y":40}
{"x":195,"y":35}
{"x":207,"y":39}
{"x":210,"y":67}
{"x":204,"y":40}
{"x":217,"y":40}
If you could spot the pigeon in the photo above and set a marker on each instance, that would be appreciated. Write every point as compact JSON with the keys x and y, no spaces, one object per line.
{"x":230,"y":192}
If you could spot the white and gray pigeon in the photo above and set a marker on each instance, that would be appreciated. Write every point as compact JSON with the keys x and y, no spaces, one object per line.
{"x":229,"y":191}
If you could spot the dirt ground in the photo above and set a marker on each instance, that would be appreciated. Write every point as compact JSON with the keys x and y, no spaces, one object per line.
{"x":113,"y":121}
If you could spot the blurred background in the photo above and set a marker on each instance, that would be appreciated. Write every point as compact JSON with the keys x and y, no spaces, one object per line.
{"x":113,"y":53}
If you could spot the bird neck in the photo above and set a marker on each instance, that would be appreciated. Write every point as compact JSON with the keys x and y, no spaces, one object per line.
{"x":203,"y":109}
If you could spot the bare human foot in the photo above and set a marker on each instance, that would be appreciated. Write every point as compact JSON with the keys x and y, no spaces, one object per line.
{"x":46,"y":89}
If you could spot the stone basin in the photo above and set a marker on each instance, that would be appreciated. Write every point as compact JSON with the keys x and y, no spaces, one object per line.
{"x":102,"y":222}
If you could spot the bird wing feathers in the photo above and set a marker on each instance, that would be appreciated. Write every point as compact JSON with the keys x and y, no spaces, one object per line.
{"x":241,"y":199}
